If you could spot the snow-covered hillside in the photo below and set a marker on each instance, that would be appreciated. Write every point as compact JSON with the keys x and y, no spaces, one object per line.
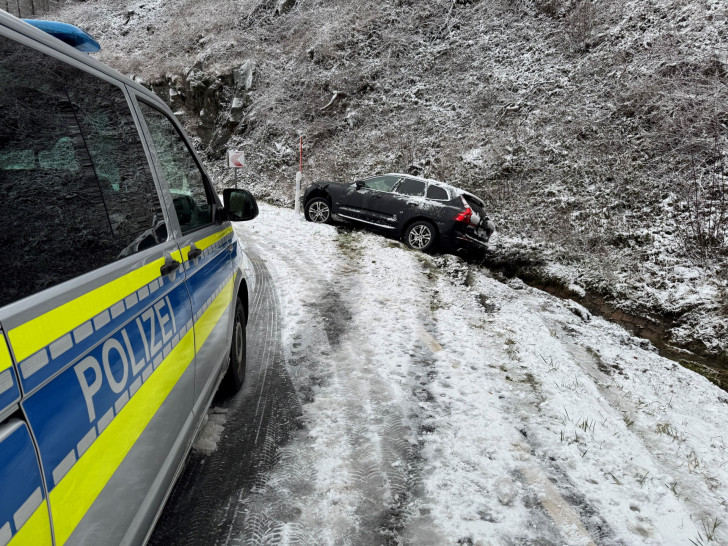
{"x":444,"y":406}
{"x":596,"y":131}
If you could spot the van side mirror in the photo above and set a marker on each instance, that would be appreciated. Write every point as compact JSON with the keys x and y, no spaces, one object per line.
{"x":240,"y":205}
{"x":359,"y":184}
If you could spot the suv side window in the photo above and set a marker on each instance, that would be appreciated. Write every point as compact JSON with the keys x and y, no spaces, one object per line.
{"x":381,"y":183}
{"x":411,"y":187}
{"x":74,"y":178}
{"x":437,"y":193}
{"x":192,"y":201}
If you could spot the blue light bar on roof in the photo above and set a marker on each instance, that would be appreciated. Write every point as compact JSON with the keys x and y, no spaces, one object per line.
{"x":69,"y":34}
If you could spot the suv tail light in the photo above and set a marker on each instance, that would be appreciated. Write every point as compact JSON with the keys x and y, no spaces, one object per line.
{"x":465,"y":215}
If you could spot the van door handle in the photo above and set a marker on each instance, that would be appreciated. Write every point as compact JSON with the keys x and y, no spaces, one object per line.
{"x":194,"y":254}
{"x":413,"y":204}
{"x":169,"y":268}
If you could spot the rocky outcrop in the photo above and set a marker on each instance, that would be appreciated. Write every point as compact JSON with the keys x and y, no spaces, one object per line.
{"x":211,"y":104}
{"x":284,"y":6}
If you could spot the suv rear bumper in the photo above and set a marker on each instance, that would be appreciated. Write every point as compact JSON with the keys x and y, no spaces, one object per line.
{"x":462,"y":242}
{"x":465,"y":238}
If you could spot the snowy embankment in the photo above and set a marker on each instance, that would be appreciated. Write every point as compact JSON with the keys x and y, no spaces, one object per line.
{"x":443,"y":406}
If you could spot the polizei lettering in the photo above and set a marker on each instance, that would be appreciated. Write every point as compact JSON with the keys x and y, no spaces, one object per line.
{"x":110,"y":368}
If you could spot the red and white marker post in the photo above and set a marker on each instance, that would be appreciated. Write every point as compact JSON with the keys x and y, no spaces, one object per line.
{"x":299,"y":174}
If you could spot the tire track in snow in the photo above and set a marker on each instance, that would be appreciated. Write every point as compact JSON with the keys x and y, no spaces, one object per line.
{"x":552,"y":512}
{"x":347,"y":478}
{"x":205,"y":506}
{"x":559,"y":498}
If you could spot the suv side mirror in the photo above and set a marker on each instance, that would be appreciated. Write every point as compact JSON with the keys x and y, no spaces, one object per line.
{"x":359,"y":184}
{"x":240,"y":205}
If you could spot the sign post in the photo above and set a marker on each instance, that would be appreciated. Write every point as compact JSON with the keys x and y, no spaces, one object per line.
{"x":236,"y":160}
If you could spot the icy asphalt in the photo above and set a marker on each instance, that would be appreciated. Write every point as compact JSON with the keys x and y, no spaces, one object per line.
{"x":399,"y":398}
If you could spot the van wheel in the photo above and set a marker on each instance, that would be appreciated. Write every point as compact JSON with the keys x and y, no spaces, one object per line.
{"x":236,"y":371}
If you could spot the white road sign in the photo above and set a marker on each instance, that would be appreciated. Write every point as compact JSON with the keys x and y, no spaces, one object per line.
{"x":236,"y":159}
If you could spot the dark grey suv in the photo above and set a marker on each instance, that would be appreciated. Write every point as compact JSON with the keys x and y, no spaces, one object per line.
{"x":424,"y":213}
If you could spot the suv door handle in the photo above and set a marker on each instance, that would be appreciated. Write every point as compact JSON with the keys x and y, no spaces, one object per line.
{"x":413,"y":204}
{"x":169,"y":268}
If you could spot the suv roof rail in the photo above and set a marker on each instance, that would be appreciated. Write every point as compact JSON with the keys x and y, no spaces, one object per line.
{"x":69,"y":34}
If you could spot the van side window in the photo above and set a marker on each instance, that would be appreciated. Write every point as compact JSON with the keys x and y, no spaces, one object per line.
{"x":192,"y":201}
{"x":77,"y":191}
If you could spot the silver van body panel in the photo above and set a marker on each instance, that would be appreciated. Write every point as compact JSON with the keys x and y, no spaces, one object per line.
{"x":133,"y":502}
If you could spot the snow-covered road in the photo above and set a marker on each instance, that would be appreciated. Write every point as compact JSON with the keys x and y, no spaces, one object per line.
{"x":443,"y":406}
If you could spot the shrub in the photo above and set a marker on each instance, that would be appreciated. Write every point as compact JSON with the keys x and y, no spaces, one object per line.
{"x":705,"y":214}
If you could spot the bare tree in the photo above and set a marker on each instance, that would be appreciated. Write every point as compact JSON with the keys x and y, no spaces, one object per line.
{"x":705,"y":208}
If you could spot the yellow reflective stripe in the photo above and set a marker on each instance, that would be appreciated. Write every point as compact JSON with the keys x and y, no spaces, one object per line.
{"x":5,"y":360}
{"x":210,"y":240}
{"x":209,"y":318}
{"x":78,"y":490}
{"x":202,"y":244}
{"x":35,"y":334}
{"x":36,"y":531}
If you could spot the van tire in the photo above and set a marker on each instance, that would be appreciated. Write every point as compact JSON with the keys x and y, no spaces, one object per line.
{"x":238,"y":361}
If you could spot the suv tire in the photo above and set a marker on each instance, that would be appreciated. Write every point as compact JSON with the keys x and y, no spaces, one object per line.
{"x":317,"y":210}
{"x":421,"y":235}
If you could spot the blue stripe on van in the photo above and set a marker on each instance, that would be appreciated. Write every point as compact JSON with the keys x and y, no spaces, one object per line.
{"x":22,"y":488}
{"x":206,"y":279}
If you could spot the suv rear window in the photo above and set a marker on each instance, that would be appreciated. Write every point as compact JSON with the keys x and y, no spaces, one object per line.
{"x":474,"y":203}
{"x":438,"y":193}
{"x":77,"y":190}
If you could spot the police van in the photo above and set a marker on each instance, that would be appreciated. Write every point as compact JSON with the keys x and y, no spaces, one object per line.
{"x":123,"y":297}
